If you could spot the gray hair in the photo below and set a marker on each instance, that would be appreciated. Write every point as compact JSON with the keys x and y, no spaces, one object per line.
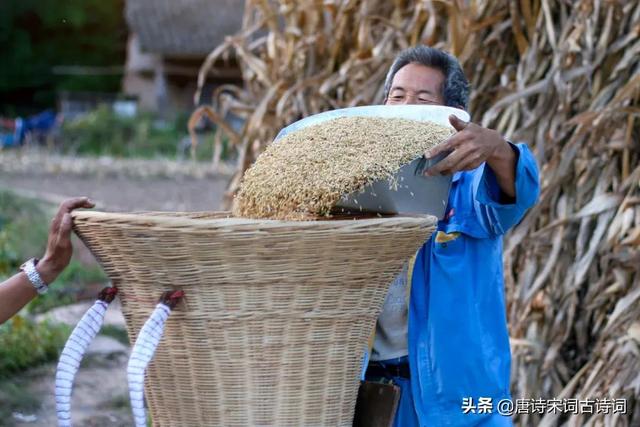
{"x":456,"y":85}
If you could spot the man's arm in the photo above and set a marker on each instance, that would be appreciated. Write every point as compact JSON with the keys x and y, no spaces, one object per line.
{"x":503,"y":164}
{"x":497,"y":214}
{"x":17,"y":291}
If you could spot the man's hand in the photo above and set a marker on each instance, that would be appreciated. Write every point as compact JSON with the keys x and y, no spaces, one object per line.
{"x":59,"y":249}
{"x":472,"y":145}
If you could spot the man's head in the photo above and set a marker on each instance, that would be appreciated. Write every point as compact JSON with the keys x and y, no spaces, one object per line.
{"x":425,"y":75}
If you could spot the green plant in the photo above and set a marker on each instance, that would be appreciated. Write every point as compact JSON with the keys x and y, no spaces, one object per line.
{"x":102,"y":132}
{"x":13,"y":397}
{"x":120,"y":401}
{"x":8,"y":257}
{"x":62,"y":291}
{"x":41,"y":35}
{"x":57,"y":296}
{"x":24,"y":343}
{"x":23,"y":230}
{"x":115,"y":332}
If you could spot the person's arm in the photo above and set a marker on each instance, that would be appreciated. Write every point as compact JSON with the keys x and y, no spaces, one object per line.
{"x":497,"y":213}
{"x":473,"y":145}
{"x":503,"y":164}
{"x":17,"y":291}
{"x":507,"y":182}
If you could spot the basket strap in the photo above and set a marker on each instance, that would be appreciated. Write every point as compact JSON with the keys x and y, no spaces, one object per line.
{"x":74,"y":350}
{"x":143,"y":351}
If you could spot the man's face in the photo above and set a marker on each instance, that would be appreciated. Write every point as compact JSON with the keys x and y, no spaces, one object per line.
{"x":416,"y":84}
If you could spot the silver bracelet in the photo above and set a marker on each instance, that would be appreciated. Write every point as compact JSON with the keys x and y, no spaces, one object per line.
{"x":29,"y":269}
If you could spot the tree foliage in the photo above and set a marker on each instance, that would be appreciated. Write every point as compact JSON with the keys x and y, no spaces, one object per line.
{"x":38,"y":35}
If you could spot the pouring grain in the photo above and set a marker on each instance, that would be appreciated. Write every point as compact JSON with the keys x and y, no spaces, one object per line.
{"x":305,"y":173}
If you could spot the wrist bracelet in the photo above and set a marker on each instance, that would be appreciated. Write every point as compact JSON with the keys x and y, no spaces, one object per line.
{"x":29,"y":269}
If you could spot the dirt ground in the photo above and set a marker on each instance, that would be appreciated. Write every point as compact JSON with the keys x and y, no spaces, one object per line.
{"x":100,"y":395}
{"x":121,"y":193}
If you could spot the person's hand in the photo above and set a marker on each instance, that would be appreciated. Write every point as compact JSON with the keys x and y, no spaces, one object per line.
{"x":469,"y":147}
{"x":59,"y":249}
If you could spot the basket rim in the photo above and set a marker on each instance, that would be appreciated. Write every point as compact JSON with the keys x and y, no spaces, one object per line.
{"x":225,"y":219}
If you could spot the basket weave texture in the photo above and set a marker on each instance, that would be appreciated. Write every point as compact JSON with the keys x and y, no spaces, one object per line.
{"x":276,"y":314}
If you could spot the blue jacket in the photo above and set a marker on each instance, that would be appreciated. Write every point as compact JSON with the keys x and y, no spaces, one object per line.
{"x":458,"y":338}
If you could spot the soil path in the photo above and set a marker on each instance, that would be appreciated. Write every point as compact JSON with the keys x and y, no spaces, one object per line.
{"x":121,"y":193}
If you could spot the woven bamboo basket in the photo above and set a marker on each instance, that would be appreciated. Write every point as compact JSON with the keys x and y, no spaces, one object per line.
{"x":276,"y":314}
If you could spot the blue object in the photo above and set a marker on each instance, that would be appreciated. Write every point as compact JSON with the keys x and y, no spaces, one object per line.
{"x":406,"y":415}
{"x":458,"y":338}
{"x":365,"y":364}
{"x":42,"y":123}
{"x":8,"y":140}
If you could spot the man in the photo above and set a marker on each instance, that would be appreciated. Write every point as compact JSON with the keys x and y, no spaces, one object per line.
{"x":18,"y":290}
{"x":442,"y":335}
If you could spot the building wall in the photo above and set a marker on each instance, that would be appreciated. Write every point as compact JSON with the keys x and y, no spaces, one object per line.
{"x":167,"y":85}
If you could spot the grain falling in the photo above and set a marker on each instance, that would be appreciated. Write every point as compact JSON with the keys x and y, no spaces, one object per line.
{"x":306,"y":173}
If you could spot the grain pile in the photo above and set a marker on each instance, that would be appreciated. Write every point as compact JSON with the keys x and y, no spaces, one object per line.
{"x":306,"y":172}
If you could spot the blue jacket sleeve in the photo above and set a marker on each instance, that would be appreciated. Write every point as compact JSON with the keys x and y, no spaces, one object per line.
{"x":498,"y":216}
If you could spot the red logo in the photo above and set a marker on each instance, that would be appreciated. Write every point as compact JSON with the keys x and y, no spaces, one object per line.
{"x":449,"y":214}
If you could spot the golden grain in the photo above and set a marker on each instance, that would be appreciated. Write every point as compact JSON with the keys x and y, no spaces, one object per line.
{"x":306,"y":173}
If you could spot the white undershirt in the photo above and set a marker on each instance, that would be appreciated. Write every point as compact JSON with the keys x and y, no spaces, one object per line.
{"x":392,"y":326}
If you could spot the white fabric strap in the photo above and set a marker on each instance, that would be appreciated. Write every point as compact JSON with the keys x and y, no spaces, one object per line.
{"x":142,"y":353}
{"x":71,"y":356}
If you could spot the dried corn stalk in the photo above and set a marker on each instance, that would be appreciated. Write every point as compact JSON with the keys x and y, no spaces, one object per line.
{"x":563,"y":76}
